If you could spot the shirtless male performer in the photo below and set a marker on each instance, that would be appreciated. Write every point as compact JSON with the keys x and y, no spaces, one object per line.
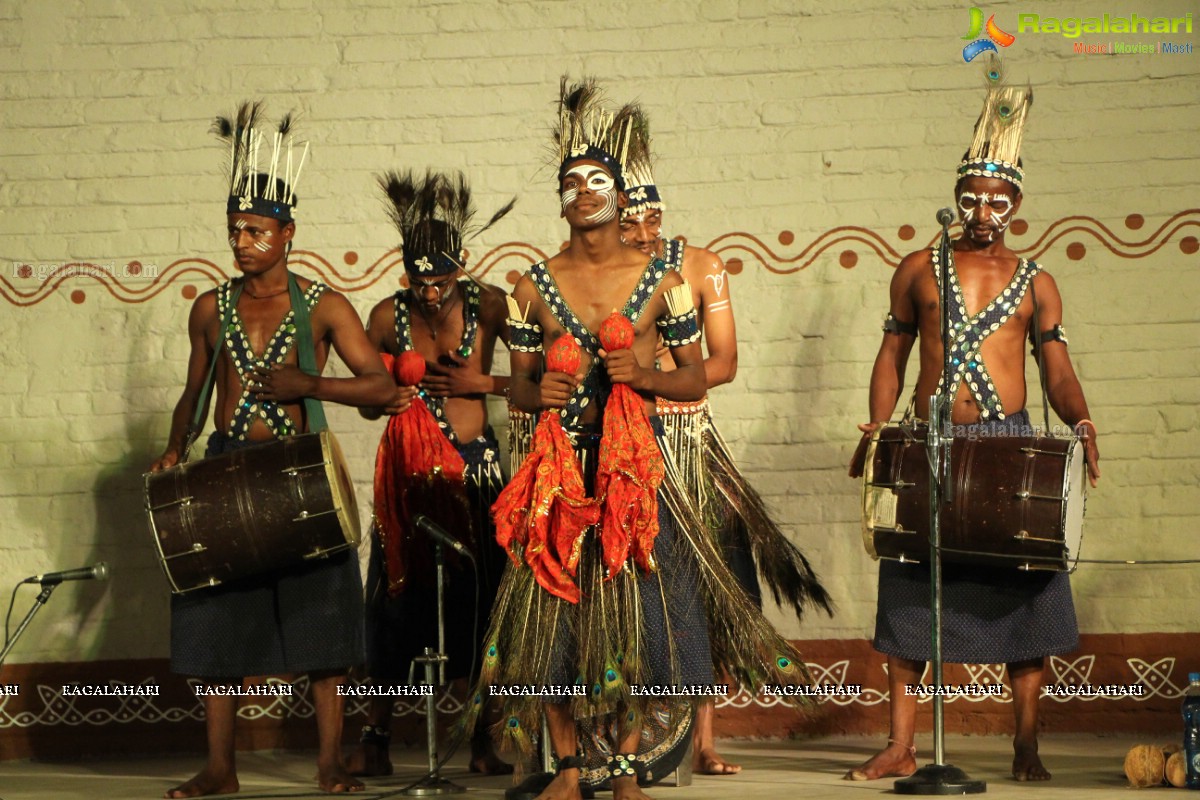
{"x":572,"y":294}
{"x":690,"y":428}
{"x":269,"y":625}
{"x":635,"y":618}
{"x":991,"y":615}
{"x":453,"y":322}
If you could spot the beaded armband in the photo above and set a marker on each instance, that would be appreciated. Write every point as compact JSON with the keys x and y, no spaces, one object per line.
{"x":893,"y":325}
{"x":680,"y":330}
{"x":1055,"y":334}
{"x":524,"y":337}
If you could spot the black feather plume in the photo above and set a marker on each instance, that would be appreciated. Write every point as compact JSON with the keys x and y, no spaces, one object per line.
{"x":499,"y":215}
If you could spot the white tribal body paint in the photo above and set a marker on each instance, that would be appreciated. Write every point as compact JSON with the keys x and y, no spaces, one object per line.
{"x":1000,"y":204}
{"x":598,"y":182}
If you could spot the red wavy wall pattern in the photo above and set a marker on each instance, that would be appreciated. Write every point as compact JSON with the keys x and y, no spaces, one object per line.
{"x":28,"y":286}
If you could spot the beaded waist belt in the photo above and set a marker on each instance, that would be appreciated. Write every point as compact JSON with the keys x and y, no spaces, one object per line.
{"x":665,"y":407}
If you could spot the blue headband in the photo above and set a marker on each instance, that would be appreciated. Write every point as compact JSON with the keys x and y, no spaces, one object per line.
{"x":594,"y":153}
{"x":275,"y":209}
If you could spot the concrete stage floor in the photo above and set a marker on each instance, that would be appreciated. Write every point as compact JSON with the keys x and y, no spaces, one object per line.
{"x":1083,"y":767}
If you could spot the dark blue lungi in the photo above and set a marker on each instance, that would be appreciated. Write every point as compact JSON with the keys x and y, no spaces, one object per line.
{"x":306,"y":619}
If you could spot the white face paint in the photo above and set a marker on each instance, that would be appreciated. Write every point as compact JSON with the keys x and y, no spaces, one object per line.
{"x":643,"y":231}
{"x":598,"y":182}
{"x":1000,"y":205}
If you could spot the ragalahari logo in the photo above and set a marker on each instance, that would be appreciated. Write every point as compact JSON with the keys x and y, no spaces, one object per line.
{"x":994,"y":37}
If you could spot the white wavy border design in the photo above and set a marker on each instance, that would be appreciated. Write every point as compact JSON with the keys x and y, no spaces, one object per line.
{"x":59,"y":709}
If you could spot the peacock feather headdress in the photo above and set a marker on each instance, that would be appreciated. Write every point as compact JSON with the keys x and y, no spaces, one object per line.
{"x":588,"y":130}
{"x":640,"y":187}
{"x":995,"y":150}
{"x":434,"y":214}
{"x":261,"y":179}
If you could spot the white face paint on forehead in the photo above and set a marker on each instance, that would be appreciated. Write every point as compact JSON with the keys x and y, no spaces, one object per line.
{"x":1001,"y":205}
{"x":598,"y":182}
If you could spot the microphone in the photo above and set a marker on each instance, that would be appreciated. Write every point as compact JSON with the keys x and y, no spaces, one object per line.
{"x":439,"y":535}
{"x":944,"y":217}
{"x":97,"y":572}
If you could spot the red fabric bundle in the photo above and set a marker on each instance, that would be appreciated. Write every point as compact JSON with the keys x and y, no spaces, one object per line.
{"x":417,"y":471}
{"x":631,"y":467}
{"x":544,"y":510}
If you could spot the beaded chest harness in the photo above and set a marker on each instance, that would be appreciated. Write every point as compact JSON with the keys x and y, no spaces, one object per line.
{"x":673,"y":254}
{"x":470,"y":310}
{"x":967,"y":333}
{"x":245,"y":362}
{"x":595,"y":385}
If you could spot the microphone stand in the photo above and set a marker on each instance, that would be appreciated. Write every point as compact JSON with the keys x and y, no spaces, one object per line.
{"x":42,"y":597}
{"x":939,"y":778}
{"x":434,"y":783}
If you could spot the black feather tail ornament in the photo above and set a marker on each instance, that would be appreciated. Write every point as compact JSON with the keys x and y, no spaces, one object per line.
{"x":736,"y":514}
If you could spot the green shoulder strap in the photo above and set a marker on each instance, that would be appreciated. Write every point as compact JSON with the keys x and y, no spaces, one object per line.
{"x":306,"y":354}
{"x":197,"y":424}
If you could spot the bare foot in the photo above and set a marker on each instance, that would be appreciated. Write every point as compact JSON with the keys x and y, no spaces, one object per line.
{"x":709,"y":762}
{"x":1026,"y":764}
{"x":893,"y":761}
{"x":627,"y":789}
{"x":490,"y":764}
{"x":207,"y":781}
{"x":370,"y":759}
{"x":565,"y":786}
{"x":336,"y":780}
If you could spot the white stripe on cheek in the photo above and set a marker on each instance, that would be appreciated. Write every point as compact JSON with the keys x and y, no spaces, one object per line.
{"x":607,"y":211}
{"x":263,"y":246}
{"x":1002,"y":222}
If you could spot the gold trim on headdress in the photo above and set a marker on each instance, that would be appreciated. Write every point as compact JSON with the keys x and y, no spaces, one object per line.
{"x":995,"y":150}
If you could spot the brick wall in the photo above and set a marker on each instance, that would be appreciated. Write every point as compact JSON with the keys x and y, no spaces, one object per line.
{"x":776,"y":125}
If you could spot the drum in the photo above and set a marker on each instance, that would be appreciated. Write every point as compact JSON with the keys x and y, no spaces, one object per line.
{"x":254,"y":510}
{"x":1018,"y":501}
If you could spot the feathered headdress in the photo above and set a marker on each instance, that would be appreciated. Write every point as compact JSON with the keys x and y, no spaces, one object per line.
{"x":434,"y":215}
{"x":587,"y":130}
{"x":640,"y":187}
{"x":995,"y":150}
{"x":267,"y":187}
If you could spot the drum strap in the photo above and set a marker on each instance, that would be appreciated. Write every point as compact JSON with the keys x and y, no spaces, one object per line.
{"x":306,"y":354}
{"x":197,"y":424}
{"x":1038,"y":352}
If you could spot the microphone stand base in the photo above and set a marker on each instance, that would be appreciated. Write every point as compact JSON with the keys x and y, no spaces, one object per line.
{"x":939,"y":779}
{"x":434,"y":785}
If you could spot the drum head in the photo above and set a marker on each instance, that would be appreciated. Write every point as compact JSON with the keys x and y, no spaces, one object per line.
{"x":341,"y":488}
{"x":1075,"y":491}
